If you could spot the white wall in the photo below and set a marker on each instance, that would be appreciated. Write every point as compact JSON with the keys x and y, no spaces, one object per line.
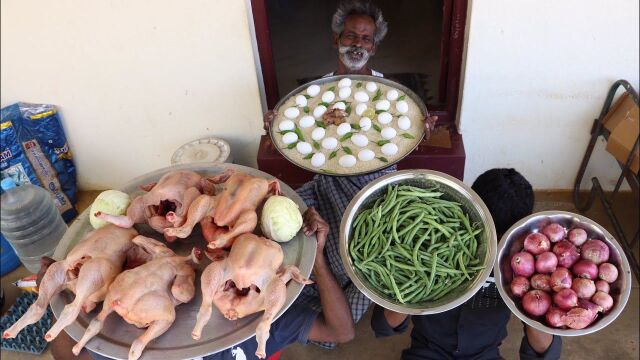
{"x":134,"y":80}
{"x":537,"y":73}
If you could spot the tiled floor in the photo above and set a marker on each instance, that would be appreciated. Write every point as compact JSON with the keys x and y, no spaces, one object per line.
{"x":617,"y":341}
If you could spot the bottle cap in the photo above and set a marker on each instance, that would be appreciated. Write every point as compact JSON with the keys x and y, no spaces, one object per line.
{"x":7,"y":183}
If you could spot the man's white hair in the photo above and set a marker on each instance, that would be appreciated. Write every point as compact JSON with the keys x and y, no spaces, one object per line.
{"x":359,"y":7}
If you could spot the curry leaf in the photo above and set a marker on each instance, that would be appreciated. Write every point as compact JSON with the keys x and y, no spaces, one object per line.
{"x":359,"y":85}
{"x":325,"y":104}
{"x":348,"y":110}
{"x":284,"y":132}
{"x":321,"y":124}
{"x":407,"y":136}
{"x":346,"y":136}
{"x":380,"y":111}
{"x":316,"y":145}
{"x":382,"y":158}
{"x":305,"y":109}
{"x":299,"y":133}
{"x":327,"y":171}
{"x":402,"y":97}
{"x":376,"y":127}
{"x":332,"y":88}
{"x":382,"y":142}
{"x":378,"y":95}
{"x":347,"y":150}
{"x":308,"y":96}
{"x":333,"y":154}
{"x":292,"y":145}
{"x":356,"y":126}
{"x":309,"y":156}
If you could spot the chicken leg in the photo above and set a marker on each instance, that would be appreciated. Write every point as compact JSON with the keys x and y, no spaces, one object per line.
{"x":274,"y":297}
{"x":212,"y":280}
{"x":200,"y":207}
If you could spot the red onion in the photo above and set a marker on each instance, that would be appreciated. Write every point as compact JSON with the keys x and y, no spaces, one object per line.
{"x":519,"y":286}
{"x":585,"y":269}
{"x":565,"y":299}
{"x":546,"y":262}
{"x":536,"y":243}
{"x":541,"y":282}
{"x":523,"y":264}
{"x":536,"y":302}
{"x":577,"y":236}
{"x":554,"y":317}
{"x":567,"y":253}
{"x":604,"y":300}
{"x":584,"y":288}
{"x":578,"y":318}
{"x":596,"y":251}
{"x":561,"y":279}
{"x":586,"y":304}
{"x":555,"y":232}
{"x":608,"y":272}
{"x":603,"y":286}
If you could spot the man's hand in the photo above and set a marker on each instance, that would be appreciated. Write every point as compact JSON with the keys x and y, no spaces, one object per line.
{"x":429,"y":125}
{"x":45,"y":262}
{"x":314,"y":223}
{"x":268,"y":118}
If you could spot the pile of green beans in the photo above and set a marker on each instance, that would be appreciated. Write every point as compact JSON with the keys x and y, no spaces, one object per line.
{"x":414,"y":246}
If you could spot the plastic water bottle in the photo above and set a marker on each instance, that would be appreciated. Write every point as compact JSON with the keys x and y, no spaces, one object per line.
{"x":30,"y":221}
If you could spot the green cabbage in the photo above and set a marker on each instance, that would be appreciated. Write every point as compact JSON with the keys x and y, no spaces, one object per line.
{"x":281,"y":219}
{"x":111,"y":202}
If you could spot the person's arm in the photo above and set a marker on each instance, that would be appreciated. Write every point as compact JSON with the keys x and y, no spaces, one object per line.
{"x":385,"y":322}
{"x":539,"y":345}
{"x":334,"y":323}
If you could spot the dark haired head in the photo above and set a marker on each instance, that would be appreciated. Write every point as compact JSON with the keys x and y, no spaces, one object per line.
{"x":507,"y":194}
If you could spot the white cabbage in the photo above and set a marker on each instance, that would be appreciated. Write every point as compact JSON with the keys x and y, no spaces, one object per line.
{"x":281,"y":219}
{"x":111,"y":202}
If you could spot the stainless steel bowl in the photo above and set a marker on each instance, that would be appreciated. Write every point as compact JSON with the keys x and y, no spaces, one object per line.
{"x":512,"y":242}
{"x":453,"y":189}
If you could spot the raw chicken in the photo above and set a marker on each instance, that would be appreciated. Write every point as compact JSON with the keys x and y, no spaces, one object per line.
{"x":88,"y":270}
{"x":231,"y":212}
{"x":146,"y":296}
{"x":166,"y":202}
{"x":249,"y":280}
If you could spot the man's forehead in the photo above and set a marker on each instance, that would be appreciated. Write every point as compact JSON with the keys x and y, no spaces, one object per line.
{"x":361,"y":24}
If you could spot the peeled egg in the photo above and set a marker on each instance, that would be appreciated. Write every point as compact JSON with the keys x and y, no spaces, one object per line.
{"x":307,"y":121}
{"x":304,"y":148}
{"x":392,"y":94}
{"x":301,"y":100}
{"x":389,"y":149}
{"x":344,"y":92}
{"x":317,"y":159}
{"x":329,"y":143}
{"x":339,"y":105}
{"x":371,"y":86}
{"x":289,"y":138}
{"x":328,"y":96}
{"x":313,"y":90}
{"x":347,"y":161}
{"x":286,"y":125}
{"x":366,"y":155}
{"x":360,"y":108}
{"x":317,"y":133}
{"x":291,"y":113}
{"x":361,"y":96}
{"x":346,"y":82}
{"x":319,"y":111}
{"x":360,"y":140}
{"x":383,"y":105}
{"x":404,"y":123}
{"x":388,"y":133}
{"x":384,"y":118}
{"x":343,"y":128}
{"x":402,"y":106}
{"x":365,"y":124}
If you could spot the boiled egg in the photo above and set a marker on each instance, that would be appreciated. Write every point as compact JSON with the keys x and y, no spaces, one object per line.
{"x":319,"y":111}
{"x":404,"y":123}
{"x":347,"y":161}
{"x":344,"y":92}
{"x":384,"y":118}
{"x":339,"y":105}
{"x":392,"y":94}
{"x":402,"y":106}
{"x":389,"y":149}
{"x":291,"y":113}
{"x":329,"y":143}
{"x":346,"y":82}
{"x":366,"y":155}
{"x":313,"y":90}
{"x":343,"y":129}
{"x":361,"y":96}
{"x":289,"y":138}
{"x":307,"y":121}
{"x":328,"y":96}
{"x":318,"y":133}
{"x":371,"y":86}
{"x":318,"y":159}
{"x":388,"y":133}
{"x":304,"y":148}
{"x":286,"y":125}
{"x":365,"y":123}
{"x":360,"y":140}
{"x":361,"y":108}
{"x":301,"y":100}
{"x":383,"y":105}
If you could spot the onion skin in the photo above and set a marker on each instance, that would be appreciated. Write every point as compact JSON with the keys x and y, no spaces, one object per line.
{"x":541,"y":282}
{"x":537,"y":243}
{"x":604,"y":300}
{"x":523,"y":264}
{"x":577,"y":236}
{"x":578,"y":318}
{"x":555,"y":232}
{"x":584,"y":288}
{"x":536,"y":302}
{"x":608,"y":272}
{"x":565,"y":299}
{"x":555,"y":317}
{"x":585,"y":269}
{"x":519,"y":286}
{"x":561,"y":279}
{"x":603,"y":286}
{"x":586,"y":304}
{"x":567,"y":253}
{"x":546,"y":262}
{"x":596,"y":251}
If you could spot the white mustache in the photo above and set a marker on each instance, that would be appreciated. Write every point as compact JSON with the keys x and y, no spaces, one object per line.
{"x":346,"y":51}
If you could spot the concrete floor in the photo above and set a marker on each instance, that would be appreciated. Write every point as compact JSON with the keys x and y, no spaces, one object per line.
{"x":618,"y":341}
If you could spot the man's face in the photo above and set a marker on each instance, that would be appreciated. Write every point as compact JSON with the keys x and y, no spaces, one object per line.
{"x":356,"y":43}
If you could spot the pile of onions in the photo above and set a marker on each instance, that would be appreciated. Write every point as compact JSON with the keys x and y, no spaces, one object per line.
{"x":563,"y":276}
